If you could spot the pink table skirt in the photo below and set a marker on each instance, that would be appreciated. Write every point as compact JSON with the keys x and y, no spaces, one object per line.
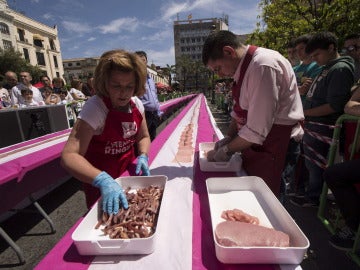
{"x":29,"y":167}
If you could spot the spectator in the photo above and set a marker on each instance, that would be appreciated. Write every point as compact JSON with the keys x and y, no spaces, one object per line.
{"x":50,"y":97}
{"x":101,"y":144}
{"x":75,"y":91}
{"x":151,"y":103}
{"x":25,"y":82}
{"x":59,"y":86}
{"x":266,"y":105}
{"x":88,"y":87}
{"x":27,"y":99}
{"x":292,"y":55}
{"x":305,"y":72}
{"x":323,"y":105}
{"x":11,"y":80}
{"x":46,"y":82}
{"x":352,"y":48}
{"x":4,"y":98}
{"x":63,"y":96}
{"x":341,"y":178}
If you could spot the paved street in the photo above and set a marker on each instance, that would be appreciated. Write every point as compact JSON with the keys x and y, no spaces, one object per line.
{"x":66,"y":204}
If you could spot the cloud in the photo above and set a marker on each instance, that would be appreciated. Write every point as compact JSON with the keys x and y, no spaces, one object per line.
{"x":118,"y":25}
{"x":91,"y":39}
{"x":159,"y":35}
{"x":162,"y":57}
{"x":47,"y":16}
{"x":77,"y":27}
{"x":170,"y":10}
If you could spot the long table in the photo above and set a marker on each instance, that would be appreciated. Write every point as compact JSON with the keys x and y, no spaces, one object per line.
{"x":185,"y":235}
{"x":32,"y":168}
{"x":168,"y":107}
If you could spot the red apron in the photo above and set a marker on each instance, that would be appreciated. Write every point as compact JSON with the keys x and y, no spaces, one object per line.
{"x":266,"y":160}
{"x":113,"y":150}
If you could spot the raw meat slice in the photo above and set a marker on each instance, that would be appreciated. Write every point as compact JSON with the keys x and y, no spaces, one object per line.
{"x":235,"y":233}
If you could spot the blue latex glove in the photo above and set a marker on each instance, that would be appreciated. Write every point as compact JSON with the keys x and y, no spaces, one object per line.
{"x":111,"y":193}
{"x":222,"y":142}
{"x":221,"y":155}
{"x":142,"y":164}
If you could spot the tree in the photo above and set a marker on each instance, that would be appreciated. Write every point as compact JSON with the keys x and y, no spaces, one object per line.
{"x":183,"y":67}
{"x":283,"y":20}
{"x":13,"y":60}
{"x":169,"y":70}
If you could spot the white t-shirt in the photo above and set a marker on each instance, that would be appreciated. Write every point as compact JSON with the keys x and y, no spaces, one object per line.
{"x":32,"y":103}
{"x":16,"y":97}
{"x":95,"y":112}
{"x":77,"y":92}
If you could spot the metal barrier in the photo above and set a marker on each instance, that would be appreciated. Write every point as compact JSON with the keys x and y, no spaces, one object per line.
{"x":334,"y":146}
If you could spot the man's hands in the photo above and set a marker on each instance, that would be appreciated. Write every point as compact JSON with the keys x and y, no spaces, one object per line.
{"x":220,"y":155}
{"x":111,"y":192}
{"x":222,"y":142}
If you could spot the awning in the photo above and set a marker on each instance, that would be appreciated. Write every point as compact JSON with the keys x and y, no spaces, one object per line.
{"x":37,"y":36}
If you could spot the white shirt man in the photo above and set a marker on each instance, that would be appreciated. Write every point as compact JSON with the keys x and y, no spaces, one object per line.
{"x":25,"y":81}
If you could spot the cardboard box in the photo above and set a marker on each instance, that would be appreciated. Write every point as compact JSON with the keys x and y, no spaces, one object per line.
{"x":91,"y":241}
{"x":233,"y":165}
{"x":251,"y":195}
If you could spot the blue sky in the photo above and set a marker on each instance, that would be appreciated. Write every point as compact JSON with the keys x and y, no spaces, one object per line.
{"x":87,"y":28}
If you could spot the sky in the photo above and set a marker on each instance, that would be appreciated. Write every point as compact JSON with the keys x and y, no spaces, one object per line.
{"x":87,"y":28}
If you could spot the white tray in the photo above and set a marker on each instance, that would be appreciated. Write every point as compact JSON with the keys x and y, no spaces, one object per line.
{"x":91,"y":241}
{"x":251,"y":195}
{"x":233,"y":165}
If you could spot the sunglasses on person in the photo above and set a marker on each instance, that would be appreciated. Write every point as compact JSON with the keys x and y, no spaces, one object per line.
{"x":350,"y":48}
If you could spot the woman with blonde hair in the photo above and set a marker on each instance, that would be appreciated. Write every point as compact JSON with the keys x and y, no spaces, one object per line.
{"x":102,"y":142}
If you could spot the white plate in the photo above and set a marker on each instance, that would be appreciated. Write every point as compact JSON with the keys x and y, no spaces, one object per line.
{"x":251,"y":195}
{"x":91,"y":241}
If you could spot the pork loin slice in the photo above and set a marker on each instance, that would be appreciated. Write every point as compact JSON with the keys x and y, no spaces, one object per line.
{"x":235,"y":233}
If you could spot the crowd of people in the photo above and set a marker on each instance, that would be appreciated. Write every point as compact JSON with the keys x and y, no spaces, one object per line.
{"x":15,"y":93}
{"x":285,"y":111}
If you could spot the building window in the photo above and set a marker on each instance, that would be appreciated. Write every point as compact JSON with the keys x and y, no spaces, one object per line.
{"x":38,"y":42}
{"x":55,"y":61}
{"x":40,"y":58}
{"x":69,"y":64}
{"x":26,"y":54}
{"x":4,"y":28}
{"x":7,"y":44}
{"x":21,"y":34}
{"x":52,"y":45}
{"x":78,"y":64}
{"x":57,"y":74}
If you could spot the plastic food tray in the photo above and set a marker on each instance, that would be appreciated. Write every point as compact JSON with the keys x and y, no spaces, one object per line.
{"x":251,"y":195}
{"x":233,"y":165}
{"x":91,"y":241}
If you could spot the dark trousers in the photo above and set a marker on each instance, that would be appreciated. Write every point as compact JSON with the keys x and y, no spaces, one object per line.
{"x":315,"y":183}
{"x":341,"y":179}
{"x":152,"y":121}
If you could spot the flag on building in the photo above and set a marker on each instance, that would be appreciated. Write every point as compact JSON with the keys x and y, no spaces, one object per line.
{"x":189,"y":16}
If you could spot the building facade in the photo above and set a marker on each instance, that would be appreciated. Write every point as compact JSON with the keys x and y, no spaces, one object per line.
{"x":190,"y":35}
{"x":81,"y":68}
{"x":189,"y":38}
{"x":38,"y":43}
